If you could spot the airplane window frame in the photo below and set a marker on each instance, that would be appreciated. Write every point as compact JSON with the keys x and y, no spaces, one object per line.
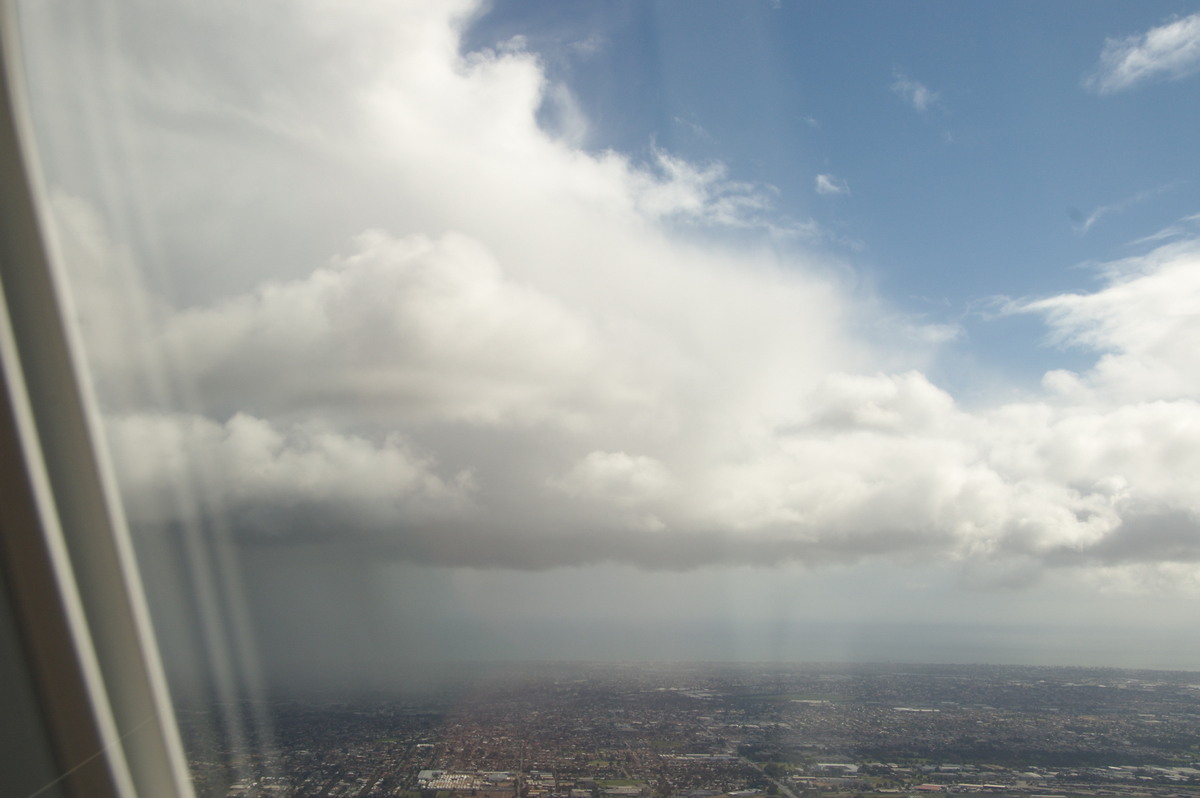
{"x":67,"y":561}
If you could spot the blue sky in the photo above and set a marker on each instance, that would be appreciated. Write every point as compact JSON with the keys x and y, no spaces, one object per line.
{"x":982,"y":188}
{"x":721,"y":331}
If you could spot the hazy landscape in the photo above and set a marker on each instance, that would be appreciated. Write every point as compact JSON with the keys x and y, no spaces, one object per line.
{"x":587,"y":730}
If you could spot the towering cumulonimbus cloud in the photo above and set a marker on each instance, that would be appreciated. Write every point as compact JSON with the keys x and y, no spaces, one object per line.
{"x":480,"y":344}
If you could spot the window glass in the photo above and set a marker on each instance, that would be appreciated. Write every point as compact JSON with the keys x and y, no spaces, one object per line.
{"x":431,"y":334}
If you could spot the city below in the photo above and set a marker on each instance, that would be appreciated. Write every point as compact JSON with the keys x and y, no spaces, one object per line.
{"x":616,"y":730}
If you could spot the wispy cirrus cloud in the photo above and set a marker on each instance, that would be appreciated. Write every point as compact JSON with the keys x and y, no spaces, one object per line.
{"x":1085,"y":223}
{"x":1184,"y":227}
{"x":1169,"y":52}
{"x":913,"y":92}
{"x":828,"y":184}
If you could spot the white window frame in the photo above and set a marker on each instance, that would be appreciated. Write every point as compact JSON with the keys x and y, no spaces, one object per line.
{"x":65,"y":554}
